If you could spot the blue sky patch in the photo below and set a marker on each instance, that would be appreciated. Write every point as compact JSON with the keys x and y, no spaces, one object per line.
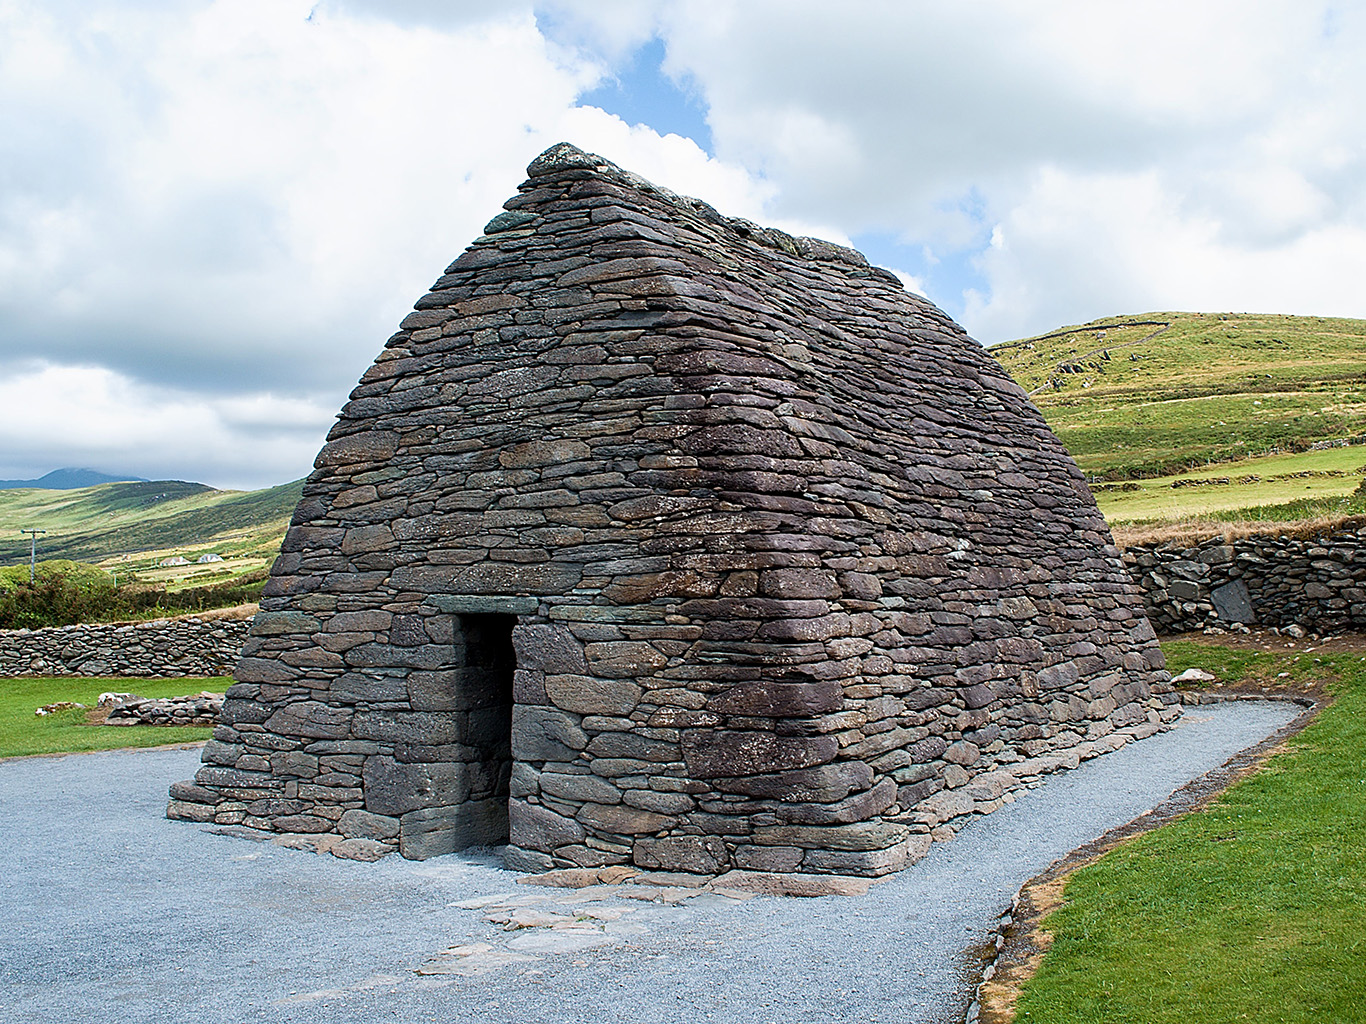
{"x":639,"y":92}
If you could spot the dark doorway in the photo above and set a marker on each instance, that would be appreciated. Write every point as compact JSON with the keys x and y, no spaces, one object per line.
{"x":486,"y":685}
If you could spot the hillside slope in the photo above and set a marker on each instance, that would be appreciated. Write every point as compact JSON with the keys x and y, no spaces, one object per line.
{"x":94,"y":523}
{"x":1228,"y":401}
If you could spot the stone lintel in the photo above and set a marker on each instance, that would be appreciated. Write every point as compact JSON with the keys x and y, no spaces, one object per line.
{"x":476,"y":604}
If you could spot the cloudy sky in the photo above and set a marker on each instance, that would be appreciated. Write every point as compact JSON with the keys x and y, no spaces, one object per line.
{"x":213,"y":212}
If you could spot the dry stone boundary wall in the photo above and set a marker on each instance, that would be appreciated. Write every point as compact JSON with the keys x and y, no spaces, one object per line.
{"x":163,"y":648}
{"x":1318,"y":583}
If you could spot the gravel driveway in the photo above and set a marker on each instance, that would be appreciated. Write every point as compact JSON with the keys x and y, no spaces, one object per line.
{"x":109,"y":912}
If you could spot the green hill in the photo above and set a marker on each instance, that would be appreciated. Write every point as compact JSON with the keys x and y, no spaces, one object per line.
{"x":1250,"y":416}
{"x":94,"y":524}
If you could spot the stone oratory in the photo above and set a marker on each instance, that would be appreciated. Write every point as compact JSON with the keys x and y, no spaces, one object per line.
{"x":658,"y":537}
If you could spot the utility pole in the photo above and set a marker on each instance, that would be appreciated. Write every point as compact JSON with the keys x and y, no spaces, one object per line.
{"x":33,"y":552}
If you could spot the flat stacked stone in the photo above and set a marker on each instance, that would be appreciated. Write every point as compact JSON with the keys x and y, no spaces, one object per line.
{"x":201,"y":709}
{"x":163,"y":648}
{"x":662,"y":538}
{"x":1315,"y":582}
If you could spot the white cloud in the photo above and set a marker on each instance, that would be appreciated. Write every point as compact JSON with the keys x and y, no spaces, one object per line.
{"x":248,"y":440}
{"x":263,"y":182}
{"x":606,"y":30}
{"x":1078,"y":247}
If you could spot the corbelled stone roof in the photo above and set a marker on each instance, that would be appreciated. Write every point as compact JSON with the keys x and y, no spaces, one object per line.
{"x":798,"y":573}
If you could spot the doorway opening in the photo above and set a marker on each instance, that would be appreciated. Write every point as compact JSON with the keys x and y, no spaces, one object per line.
{"x":487,"y":664}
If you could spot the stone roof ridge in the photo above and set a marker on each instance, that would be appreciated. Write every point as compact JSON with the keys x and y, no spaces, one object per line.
{"x":565,"y":157}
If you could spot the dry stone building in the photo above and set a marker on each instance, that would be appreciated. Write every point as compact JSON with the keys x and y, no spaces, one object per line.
{"x":663,"y":538}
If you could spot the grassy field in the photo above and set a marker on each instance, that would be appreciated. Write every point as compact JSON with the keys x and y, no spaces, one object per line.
{"x":1270,"y":487}
{"x":1251,"y":910}
{"x":23,"y":733}
{"x":133,"y":526}
{"x":147,"y":568}
{"x":1158,"y":395}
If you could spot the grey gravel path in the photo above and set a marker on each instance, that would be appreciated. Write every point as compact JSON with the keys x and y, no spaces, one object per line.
{"x":109,"y":912}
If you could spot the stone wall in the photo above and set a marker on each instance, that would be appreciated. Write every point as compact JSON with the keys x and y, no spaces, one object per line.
{"x":163,"y":648}
{"x":1317,"y":583}
{"x":657,"y":537}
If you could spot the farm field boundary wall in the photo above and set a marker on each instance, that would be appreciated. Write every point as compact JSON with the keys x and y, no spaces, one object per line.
{"x":162,"y":648}
{"x":1317,"y":583}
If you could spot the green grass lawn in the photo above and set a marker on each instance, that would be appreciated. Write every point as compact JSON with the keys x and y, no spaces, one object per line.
{"x":1251,"y":910}
{"x":22,"y":732}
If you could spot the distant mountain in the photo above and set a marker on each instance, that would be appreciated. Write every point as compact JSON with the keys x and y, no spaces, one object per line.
{"x":69,"y":479}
